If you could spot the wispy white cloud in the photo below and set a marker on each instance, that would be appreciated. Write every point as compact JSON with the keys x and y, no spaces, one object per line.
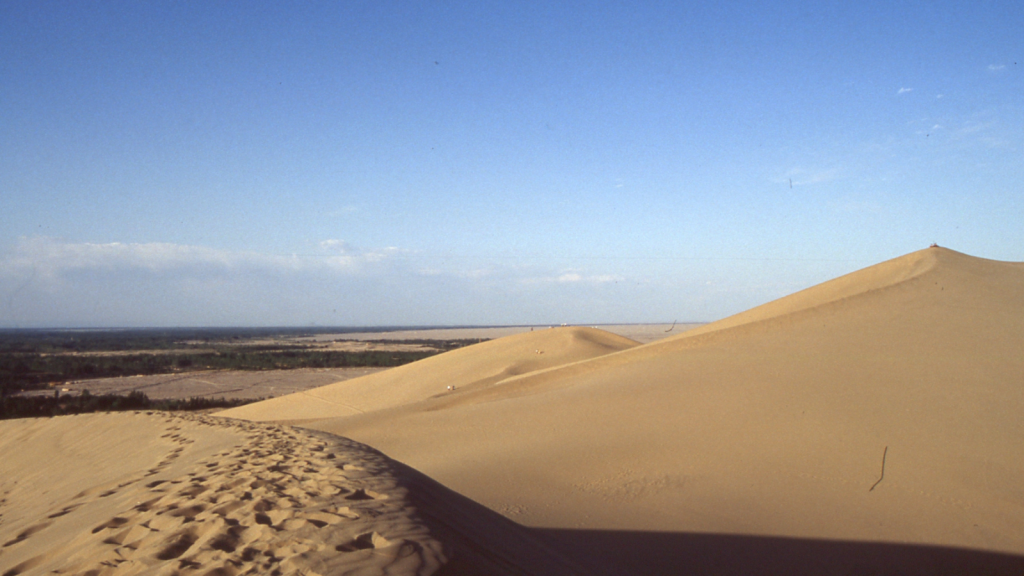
{"x":53,"y":258}
{"x":996,"y":67}
{"x":572,"y":277}
{"x":338,"y":246}
{"x":382,"y":254}
{"x":474,"y":273}
{"x":974,"y":127}
{"x":904,"y":90}
{"x":52,"y":282}
{"x":47,"y":281}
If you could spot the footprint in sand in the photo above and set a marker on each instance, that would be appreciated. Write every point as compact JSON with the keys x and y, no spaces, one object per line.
{"x":364,"y":542}
{"x":115,"y":522}
{"x":26,"y":565}
{"x":187,"y":512}
{"x":229,"y":540}
{"x":27,"y":532}
{"x":147,"y":505}
{"x":361,"y":494}
{"x":193,"y":490}
{"x":64,"y":511}
{"x":177,"y":545}
{"x":89,"y":492}
{"x":274,"y":504}
{"x":128,"y":537}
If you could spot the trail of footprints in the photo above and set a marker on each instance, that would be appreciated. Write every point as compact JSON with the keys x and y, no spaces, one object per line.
{"x":286,"y":502}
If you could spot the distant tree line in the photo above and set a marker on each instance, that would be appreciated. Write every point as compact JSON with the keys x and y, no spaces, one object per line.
{"x":63,"y":341}
{"x":36,"y":371}
{"x":35,"y":359}
{"x":59,"y":405}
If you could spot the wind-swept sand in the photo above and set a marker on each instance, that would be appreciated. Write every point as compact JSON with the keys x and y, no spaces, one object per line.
{"x":871,"y":424}
{"x":152,"y":493}
{"x":219,"y":383}
{"x":475,"y":367}
{"x":868,"y":425}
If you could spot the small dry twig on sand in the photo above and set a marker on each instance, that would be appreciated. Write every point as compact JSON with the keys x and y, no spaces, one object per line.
{"x":673,"y":326}
{"x":884,"y":452}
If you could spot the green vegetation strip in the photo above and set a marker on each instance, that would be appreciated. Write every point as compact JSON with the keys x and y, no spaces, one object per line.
{"x":34,"y":371}
{"x":38,"y":359}
{"x":57,"y":405}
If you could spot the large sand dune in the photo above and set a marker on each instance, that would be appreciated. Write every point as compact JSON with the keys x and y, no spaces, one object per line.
{"x":868,"y":425}
{"x":159,"y":494}
{"x":477,"y":367}
{"x":883,"y":407}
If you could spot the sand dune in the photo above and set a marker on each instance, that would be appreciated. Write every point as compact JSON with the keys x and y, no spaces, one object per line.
{"x":160,"y":494}
{"x":477,"y":367}
{"x":883,"y":406}
{"x":137,"y":493}
{"x":868,"y":425}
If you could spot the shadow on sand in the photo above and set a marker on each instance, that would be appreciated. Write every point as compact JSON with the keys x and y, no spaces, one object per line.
{"x":481,"y":542}
{"x":650,"y":553}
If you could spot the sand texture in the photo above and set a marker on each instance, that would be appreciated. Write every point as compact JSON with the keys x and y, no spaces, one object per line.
{"x":479,"y":367}
{"x":868,"y":425}
{"x":219,"y":383}
{"x":871,"y":424}
{"x":137,"y":493}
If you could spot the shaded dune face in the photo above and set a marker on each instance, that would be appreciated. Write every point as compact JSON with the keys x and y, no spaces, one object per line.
{"x":881,"y":406}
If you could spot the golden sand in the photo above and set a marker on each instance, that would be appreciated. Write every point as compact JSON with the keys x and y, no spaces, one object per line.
{"x":871,"y":424}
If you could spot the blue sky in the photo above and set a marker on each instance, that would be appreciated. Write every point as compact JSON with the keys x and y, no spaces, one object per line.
{"x":373,"y":163}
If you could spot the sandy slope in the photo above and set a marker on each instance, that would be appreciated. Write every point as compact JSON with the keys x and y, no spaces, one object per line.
{"x":218,"y":383}
{"x":477,"y":367}
{"x":775,"y":423}
{"x":136,"y":493}
{"x":869,"y":425}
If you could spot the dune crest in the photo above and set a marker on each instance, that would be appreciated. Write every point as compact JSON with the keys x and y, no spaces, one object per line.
{"x":962,"y":275}
{"x":880,"y":407}
{"x":453,"y":373}
{"x":869,"y":282}
{"x":162,"y":494}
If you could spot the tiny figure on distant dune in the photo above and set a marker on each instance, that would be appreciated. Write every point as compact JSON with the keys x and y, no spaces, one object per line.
{"x":451,"y":388}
